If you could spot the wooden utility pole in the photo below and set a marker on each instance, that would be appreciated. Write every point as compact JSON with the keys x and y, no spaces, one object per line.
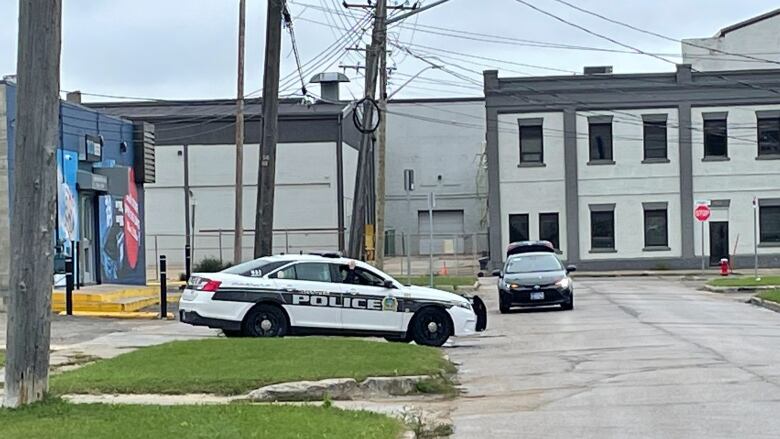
{"x":357,"y":226}
{"x":239,"y":223}
{"x":379,"y":233}
{"x":264,"y":216}
{"x":34,"y":201}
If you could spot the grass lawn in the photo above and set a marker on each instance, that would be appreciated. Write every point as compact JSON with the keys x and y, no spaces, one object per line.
{"x":744,"y":281}
{"x":440,"y":280}
{"x":773,"y":295}
{"x":235,"y":366}
{"x":57,"y":419}
{"x":2,"y":358}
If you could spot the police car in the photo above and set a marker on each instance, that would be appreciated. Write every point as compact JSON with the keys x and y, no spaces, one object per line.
{"x":325,"y":295}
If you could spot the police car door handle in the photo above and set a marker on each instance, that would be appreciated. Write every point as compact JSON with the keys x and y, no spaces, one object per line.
{"x":289,"y":288}
{"x":352,"y":291}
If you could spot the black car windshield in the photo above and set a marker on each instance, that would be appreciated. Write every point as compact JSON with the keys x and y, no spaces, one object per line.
{"x":533,"y":264}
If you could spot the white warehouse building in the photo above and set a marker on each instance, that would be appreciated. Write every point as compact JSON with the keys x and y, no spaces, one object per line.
{"x":608,"y":166}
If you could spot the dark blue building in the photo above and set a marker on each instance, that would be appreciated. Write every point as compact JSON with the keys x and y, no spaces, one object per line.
{"x":102,"y":163}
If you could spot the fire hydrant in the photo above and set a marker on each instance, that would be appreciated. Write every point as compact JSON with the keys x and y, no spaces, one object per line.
{"x":724,"y":267}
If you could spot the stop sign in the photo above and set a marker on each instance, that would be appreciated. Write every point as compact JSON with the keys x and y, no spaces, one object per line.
{"x":702,"y":212}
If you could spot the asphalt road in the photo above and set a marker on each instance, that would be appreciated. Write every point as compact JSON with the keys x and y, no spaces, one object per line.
{"x":635,"y":358}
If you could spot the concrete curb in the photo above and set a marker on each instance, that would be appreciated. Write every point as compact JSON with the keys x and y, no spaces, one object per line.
{"x":120,"y":315}
{"x":768,"y":304}
{"x":749,"y":289}
{"x":337,"y":389}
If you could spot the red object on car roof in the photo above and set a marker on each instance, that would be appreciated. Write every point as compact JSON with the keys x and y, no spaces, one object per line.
{"x":529,"y":246}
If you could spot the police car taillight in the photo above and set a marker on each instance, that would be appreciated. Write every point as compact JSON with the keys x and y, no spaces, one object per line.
{"x":207,"y":285}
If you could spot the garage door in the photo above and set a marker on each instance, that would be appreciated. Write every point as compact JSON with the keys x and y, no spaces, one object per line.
{"x":447,"y":231}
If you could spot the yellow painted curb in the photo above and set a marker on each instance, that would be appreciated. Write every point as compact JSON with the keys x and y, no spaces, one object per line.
{"x":120,"y":315}
{"x":128,"y":305}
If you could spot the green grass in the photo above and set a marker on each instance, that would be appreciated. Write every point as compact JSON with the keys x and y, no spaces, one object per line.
{"x":235,"y":366}
{"x":2,"y":358}
{"x":440,"y":280}
{"x":744,"y":281}
{"x":56,"y":419}
{"x":773,"y":295}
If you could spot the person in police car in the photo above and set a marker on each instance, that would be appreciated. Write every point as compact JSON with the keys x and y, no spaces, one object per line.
{"x":351,"y":276}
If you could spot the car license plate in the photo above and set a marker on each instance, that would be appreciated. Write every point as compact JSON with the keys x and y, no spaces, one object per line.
{"x":537,"y":296}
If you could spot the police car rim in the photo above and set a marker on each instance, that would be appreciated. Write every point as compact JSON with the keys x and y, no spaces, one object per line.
{"x":266,"y":325}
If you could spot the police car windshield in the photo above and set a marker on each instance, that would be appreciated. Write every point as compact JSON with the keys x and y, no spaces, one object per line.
{"x":533,"y":264}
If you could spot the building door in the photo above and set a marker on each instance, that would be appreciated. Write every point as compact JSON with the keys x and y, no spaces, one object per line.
{"x":448,"y":227}
{"x":87,"y":245}
{"x":719,"y":241}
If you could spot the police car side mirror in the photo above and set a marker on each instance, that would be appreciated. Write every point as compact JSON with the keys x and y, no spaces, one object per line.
{"x":388,"y":284}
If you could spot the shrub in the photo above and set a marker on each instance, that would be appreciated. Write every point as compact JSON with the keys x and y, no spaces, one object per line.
{"x":210,"y":265}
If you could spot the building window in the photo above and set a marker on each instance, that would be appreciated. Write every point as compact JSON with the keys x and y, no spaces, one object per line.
{"x":602,"y":228}
{"x":768,"y":136}
{"x":655,"y":139}
{"x":656,"y":228}
{"x":518,"y":227}
{"x":600,"y":142}
{"x":715,"y":138}
{"x":769,"y":223}
{"x":548,"y":228}
{"x":531,"y":142}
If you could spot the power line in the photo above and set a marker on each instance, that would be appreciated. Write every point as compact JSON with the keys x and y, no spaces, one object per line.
{"x":655,"y":34}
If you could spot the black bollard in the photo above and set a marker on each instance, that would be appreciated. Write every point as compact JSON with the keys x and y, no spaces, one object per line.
{"x":163,"y":288}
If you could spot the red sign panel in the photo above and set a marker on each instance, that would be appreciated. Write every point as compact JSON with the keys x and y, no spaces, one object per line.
{"x":132,"y":221}
{"x":702,"y":212}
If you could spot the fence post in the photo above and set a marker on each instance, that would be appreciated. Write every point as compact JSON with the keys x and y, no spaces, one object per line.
{"x":187,"y":261}
{"x":286,"y":241}
{"x":69,"y":285}
{"x":77,"y":263}
{"x":474,"y":251}
{"x":156,"y":257}
{"x":408,"y":248}
{"x":220,"y":246}
{"x":164,"y":288}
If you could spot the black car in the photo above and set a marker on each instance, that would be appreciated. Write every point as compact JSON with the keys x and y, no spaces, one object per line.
{"x":533,"y":275}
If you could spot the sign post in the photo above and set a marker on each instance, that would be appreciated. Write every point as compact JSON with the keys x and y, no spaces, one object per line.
{"x":431,"y":205}
{"x":755,"y":238}
{"x":702,"y":213}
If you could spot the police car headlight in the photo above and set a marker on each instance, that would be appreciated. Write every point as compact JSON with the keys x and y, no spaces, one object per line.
{"x":465,"y":305}
{"x":563,"y":283}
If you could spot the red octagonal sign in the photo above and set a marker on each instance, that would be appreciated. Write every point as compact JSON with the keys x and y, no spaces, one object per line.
{"x":702,"y":212}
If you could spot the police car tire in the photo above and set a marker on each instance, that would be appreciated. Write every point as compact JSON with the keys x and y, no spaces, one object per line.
{"x":264,"y":313}
{"x":421,"y":333}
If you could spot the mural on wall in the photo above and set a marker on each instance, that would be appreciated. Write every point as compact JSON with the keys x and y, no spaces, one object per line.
{"x":120,"y":234}
{"x":67,"y":207}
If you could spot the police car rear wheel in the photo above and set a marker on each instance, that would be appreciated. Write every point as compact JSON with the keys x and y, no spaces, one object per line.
{"x":432,"y":327}
{"x":265,"y":321}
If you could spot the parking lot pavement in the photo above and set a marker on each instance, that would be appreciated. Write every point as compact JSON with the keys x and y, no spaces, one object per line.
{"x":637,"y":357}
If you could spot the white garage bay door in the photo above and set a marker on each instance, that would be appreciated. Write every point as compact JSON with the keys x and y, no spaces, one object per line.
{"x":447,"y":231}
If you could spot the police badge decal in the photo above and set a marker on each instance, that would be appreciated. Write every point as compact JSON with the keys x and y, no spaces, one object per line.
{"x":389,"y":303}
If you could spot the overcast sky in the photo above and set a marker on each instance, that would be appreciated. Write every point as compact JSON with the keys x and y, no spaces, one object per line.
{"x":186,"y":49}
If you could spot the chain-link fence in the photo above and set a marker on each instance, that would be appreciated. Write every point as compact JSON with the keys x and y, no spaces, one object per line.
{"x":405,"y":253}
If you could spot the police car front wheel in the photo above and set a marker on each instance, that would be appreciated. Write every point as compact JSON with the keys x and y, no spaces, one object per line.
{"x":432,"y":327}
{"x":265,"y":321}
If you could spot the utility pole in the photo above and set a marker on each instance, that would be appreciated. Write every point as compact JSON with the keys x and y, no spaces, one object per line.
{"x":379,"y":233}
{"x":239,"y":223}
{"x":375,"y":54}
{"x":357,"y":226}
{"x":264,"y":216}
{"x":34,"y":201}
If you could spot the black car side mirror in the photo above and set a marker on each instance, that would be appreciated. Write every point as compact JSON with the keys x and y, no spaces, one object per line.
{"x":498,"y":273}
{"x":388,"y":283}
{"x":571,"y":268}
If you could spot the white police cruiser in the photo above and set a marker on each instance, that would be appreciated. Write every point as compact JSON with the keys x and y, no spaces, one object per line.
{"x":325,"y":295}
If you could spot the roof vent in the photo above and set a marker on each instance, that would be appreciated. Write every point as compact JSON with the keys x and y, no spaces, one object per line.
{"x":597,"y":70}
{"x":329,"y":85}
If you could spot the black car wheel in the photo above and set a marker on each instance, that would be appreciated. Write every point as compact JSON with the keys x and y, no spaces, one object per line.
{"x":265,"y":321}
{"x":432,"y":327}
{"x":503,"y":306}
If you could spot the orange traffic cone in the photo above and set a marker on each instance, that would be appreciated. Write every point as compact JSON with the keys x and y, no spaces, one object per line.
{"x":443,"y":271}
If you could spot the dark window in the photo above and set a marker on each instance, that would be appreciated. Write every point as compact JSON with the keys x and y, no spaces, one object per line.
{"x":256,"y":268}
{"x":548,"y":228}
{"x":769,"y":136}
{"x":655,"y":140}
{"x":769,"y":224}
{"x":360,"y":276}
{"x":715,"y":138}
{"x":602,"y":230}
{"x":531,"y":149}
{"x":518,"y":227}
{"x":600,"y":141}
{"x":656,"y":230}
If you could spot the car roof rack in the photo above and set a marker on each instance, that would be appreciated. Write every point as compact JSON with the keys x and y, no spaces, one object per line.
{"x":327,"y":254}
